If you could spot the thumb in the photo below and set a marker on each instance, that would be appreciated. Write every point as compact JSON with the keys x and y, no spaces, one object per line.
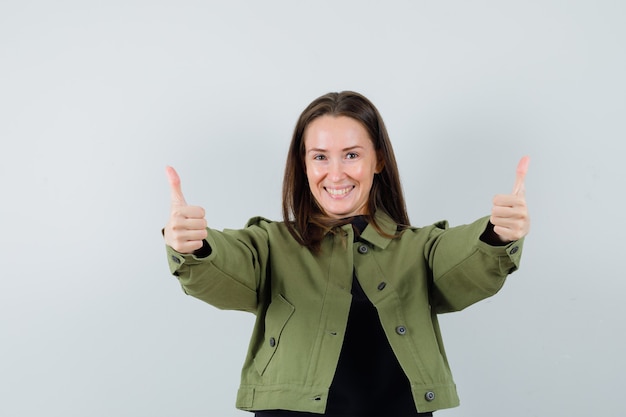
{"x":522,"y":168}
{"x":175,"y":192}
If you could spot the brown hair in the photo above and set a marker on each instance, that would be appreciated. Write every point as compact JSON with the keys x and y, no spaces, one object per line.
{"x":303,"y":217}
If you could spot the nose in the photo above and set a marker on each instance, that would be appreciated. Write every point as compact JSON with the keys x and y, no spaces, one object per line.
{"x":336,"y":171}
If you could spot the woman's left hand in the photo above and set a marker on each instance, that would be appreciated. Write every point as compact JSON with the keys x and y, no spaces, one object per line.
{"x":509,"y":214}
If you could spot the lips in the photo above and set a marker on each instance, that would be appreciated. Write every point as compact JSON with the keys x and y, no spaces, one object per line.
{"x":338,"y":192}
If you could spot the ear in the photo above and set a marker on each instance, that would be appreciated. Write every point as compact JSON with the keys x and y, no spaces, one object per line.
{"x":380,"y":164}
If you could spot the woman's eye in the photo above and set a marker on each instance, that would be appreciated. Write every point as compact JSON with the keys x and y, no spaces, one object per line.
{"x":319,"y":157}
{"x":351,"y":155}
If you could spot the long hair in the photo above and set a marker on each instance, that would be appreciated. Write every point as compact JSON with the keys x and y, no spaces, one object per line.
{"x":304,"y":219}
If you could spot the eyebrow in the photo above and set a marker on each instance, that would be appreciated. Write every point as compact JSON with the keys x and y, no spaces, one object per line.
{"x":350,"y":148}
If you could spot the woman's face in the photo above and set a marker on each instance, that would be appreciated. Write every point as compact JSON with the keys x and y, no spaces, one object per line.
{"x":340,"y":164}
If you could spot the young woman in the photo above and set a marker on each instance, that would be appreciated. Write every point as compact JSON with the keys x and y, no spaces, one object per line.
{"x":346,"y":293}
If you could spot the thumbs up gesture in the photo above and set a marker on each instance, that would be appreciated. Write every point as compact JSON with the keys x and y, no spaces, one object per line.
{"x":186,"y":228}
{"x":509,"y":214}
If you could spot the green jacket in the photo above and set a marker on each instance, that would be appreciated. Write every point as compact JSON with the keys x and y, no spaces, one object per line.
{"x":301,"y":301}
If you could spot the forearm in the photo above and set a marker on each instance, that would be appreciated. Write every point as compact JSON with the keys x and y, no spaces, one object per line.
{"x":223,"y":273}
{"x":466,"y":269}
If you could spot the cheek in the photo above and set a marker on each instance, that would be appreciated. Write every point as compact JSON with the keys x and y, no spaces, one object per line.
{"x":310,"y":178}
{"x":363,"y":174}
{"x":312,"y":173}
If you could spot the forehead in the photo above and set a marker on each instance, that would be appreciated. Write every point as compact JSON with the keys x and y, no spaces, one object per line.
{"x":330,"y":130}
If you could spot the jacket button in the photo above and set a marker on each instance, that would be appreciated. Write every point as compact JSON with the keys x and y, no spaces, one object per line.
{"x":430,"y":396}
{"x":272,"y":342}
{"x":401,"y":330}
{"x":363,"y":249}
{"x":514,"y":250}
{"x":381,"y":286}
{"x":175,"y":259}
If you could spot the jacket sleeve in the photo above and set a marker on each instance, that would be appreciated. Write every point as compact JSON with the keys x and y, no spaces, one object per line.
{"x":228,"y":278}
{"x":465,"y":269}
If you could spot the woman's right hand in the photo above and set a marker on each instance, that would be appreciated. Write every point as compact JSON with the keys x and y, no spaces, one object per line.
{"x":186,"y":228}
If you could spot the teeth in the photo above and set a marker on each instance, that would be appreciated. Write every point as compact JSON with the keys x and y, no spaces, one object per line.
{"x":338,"y":192}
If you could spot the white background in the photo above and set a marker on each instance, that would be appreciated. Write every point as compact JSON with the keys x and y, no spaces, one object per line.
{"x":96,"y":98}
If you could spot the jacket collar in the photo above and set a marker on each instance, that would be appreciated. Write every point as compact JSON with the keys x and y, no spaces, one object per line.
{"x":387,"y":224}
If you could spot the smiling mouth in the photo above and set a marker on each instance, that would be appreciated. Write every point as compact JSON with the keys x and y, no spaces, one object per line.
{"x":339,"y":192}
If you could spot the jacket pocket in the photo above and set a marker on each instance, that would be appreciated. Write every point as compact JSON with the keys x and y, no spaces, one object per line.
{"x":276,"y":317}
